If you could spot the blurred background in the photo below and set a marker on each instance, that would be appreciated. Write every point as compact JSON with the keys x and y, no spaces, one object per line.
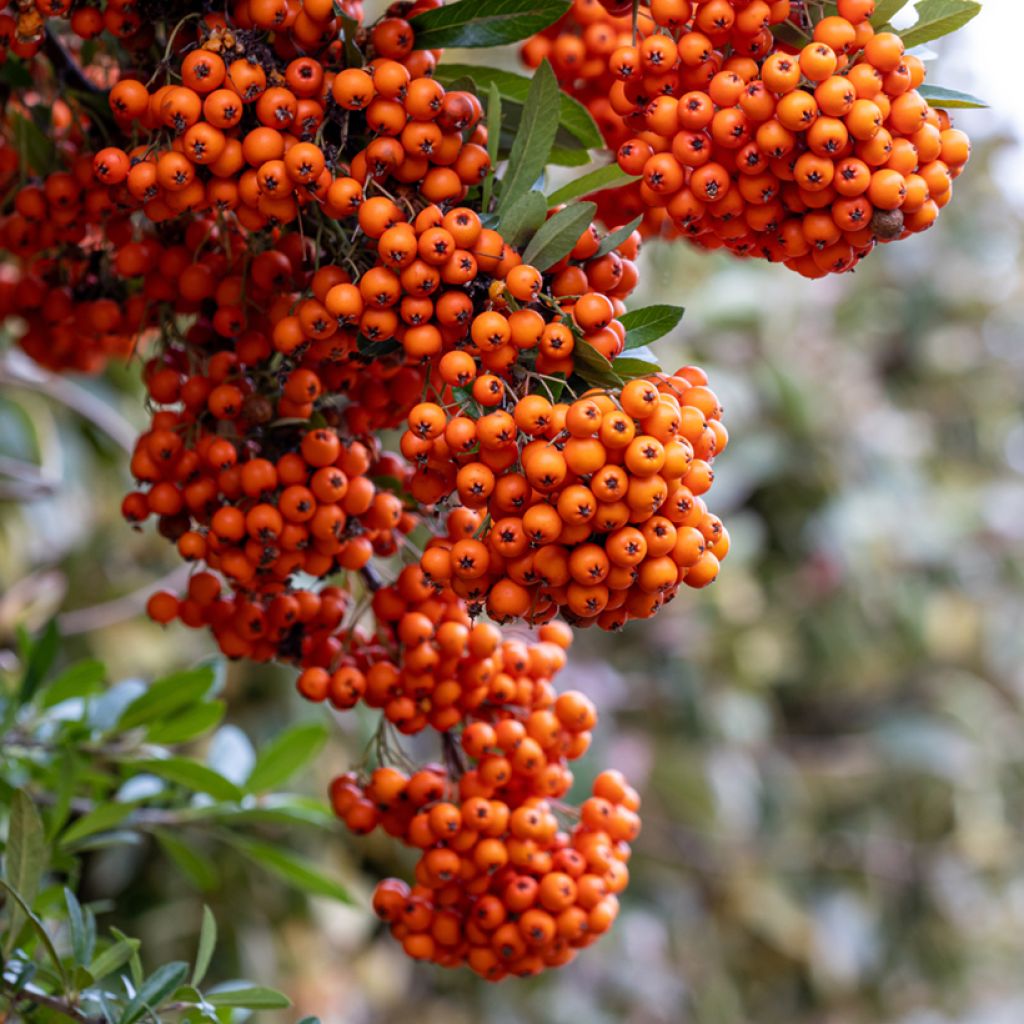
{"x":829,"y":741}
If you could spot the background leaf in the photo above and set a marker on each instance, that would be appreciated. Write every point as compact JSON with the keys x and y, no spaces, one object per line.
{"x":25,"y":858}
{"x":154,"y":990}
{"x":280,"y":759}
{"x":292,"y":869}
{"x":207,"y":944}
{"x":192,"y":775}
{"x":520,"y":220}
{"x":251,"y":997}
{"x":615,"y":238}
{"x":167,"y":696}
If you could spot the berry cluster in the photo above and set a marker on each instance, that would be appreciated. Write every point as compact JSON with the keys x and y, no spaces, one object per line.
{"x":805,"y":155}
{"x":500,"y":885}
{"x":590,"y":508}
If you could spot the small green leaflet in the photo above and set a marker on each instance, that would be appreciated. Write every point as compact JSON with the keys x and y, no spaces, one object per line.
{"x":536,"y":136}
{"x":207,"y":942}
{"x":615,"y":238}
{"x":630,"y":369}
{"x":113,"y":958}
{"x":80,"y":680}
{"x":937,"y":18}
{"x":192,"y":775}
{"x":610,"y":176}
{"x":154,"y":990}
{"x":645,"y":326}
{"x":104,"y":817}
{"x":593,"y":367}
{"x":280,"y":759}
{"x":520,"y":220}
{"x":290,"y":868}
{"x":558,"y":236}
{"x":937,"y":96}
{"x":41,"y":657}
{"x":473,"y":23}
{"x":167,"y":696}
{"x":251,"y":997}
{"x":25,"y":857}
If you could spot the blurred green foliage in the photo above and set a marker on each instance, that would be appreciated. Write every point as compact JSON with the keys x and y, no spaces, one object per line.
{"x":829,"y":740}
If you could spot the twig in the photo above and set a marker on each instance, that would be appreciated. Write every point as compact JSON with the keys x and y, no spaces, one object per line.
{"x":17,"y":371}
{"x":65,"y":65}
{"x":109,"y":613}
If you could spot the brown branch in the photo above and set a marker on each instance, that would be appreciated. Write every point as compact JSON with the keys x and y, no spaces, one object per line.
{"x":60,"y":1006}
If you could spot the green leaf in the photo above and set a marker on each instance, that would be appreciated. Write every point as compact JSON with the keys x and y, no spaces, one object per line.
{"x":594,"y":367}
{"x":154,"y":990}
{"x":190,"y":723}
{"x":82,"y":679}
{"x":252,"y":997}
{"x":41,"y":657}
{"x":199,"y":869}
{"x":886,"y":10}
{"x":787,"y":32}
{"x":38,"y":927}
{"x":558,"y":235}
{"x":280,"y":809}
{"x":103,"y":817}
{"x":76,"y":926}
{"x":631,"y":369}
{"x":134,"y":962}
{"x":610,"y":176}
{"x":573,"y":117}
{"x":520,"y":220}
{"x":472,"y":23}
{"x":191,"y":775}
{"x":113,"y":958}
{"x":280,"y":759}
{"x":937,"y":96}
{"x":25,"y":858}
{"x":536,"y":136}
{"x":645,"y":326}
{"x":33,"y":144}
{"x":615,"y":238}
{"x":937,"y":18}
{"x":290,"y":868}
{"x":167,"y":696}
{"x":207,"y":944}
{"x":493,"y":142}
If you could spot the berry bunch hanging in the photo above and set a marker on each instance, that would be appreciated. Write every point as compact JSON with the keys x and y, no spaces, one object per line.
{"x":768,"y":129}
{"x":315,"y":253}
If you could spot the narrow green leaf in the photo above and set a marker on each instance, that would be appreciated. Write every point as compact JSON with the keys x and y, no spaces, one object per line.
{"x":76,"y":926}
{"x":290,"y":868}
{"x":192,"y":775}
{"x":615,"y":238}
{"x":937,"y":18}
{"x":25,"y":858}
{"x":103,"y":817}
{"x":134,"y":961}
{"x":535,"y":137}
{"x":113,"y":958}
{"x":558,"y":235}
{"x":886,"y":10}
{"x":41,"y":657}
{"x":646,"y":326}
{"x":280,"y":759}
{"x":82,"y":679}
{"x":252,"y":997}
{"x":207,"y":944}
{"x":610,"y":176}
{"x":199,"y":869}
{"x":573,"y":116}
{"x":189,"y":724}
{"x":787,"y":32}
{"x":154,"y":990}
{"x":493,"y":142}
{"x":68,"y":772}
{"x":951,"y":99}
{"x":279,"y":809}
{"x":520,"y":220}
{"x":495,"y":23}
{"x":38,"y":927}
{"x":167,"y":696}
{"x":593,"y":366}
